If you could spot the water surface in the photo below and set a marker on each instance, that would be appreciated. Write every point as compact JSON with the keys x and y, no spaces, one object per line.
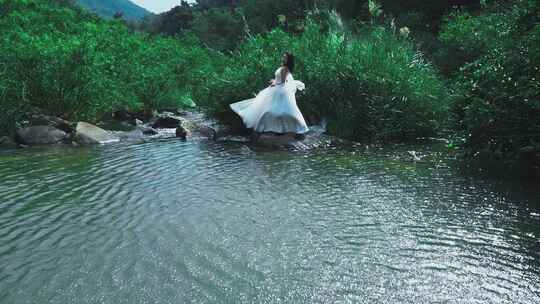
{"x":201,"y":222}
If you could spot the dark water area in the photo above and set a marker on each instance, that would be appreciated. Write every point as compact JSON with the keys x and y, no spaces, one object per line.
{"x":203,"y":222}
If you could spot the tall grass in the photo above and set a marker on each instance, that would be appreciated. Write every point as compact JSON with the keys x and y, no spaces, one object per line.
{"x":372,"y":86}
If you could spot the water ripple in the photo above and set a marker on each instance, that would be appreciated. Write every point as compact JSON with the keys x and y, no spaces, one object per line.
{"x":200,"y":222}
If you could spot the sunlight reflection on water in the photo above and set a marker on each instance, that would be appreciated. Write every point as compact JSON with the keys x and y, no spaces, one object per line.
{"x":201,"y":222}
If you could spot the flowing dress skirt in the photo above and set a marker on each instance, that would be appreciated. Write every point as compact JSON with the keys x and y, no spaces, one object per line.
{"x":274,"y":109}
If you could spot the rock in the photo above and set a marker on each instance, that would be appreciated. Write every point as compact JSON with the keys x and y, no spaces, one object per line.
{"x":234,"y":139}
{"x":272,"y":140}
{"x":167,"y":122}
{"x":127,"y":125}
{"x":224,"y":131}
{"x":123,"y":115}
{"x":181,"y":132}
{"x":138,"y":122}
{"x":89,"y":134}
{"x":147,"y":130}
{"x":38,"y":119}
{"x":204,"y":131}
{"x":311,"y":140}
{"x":173,"y":110}
{"x":70,"y":137}
{"x":132,"y":135}
{"x":40,"y":135}
{"x":167,"y":114}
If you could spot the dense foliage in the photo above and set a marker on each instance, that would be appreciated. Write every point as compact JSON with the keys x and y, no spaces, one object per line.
{"x":375,"y":86}
{"x":497,"y":87}
{"x":68,"y":62}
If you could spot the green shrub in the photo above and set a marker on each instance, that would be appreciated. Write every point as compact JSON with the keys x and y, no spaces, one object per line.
{"x":374,"y":86}
{"x":497,"y":107}
{"x":219,"y":28}
{"x":70,"y":63}
{"x":468,"y":37}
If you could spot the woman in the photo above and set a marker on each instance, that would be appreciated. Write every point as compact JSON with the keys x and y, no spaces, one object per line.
{"x":274,"y":109}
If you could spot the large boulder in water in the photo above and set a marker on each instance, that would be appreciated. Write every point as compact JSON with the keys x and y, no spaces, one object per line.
{"x":277,"y":141}
{"x":314,"y":139}
{"x":88,"y":134}
{"x":40,"y":135}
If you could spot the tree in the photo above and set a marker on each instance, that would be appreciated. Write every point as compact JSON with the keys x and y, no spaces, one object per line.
{"x":220,"y":28}
{"x":177,"y":20}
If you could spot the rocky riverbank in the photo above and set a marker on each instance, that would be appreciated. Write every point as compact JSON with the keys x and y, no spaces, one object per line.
{"x":41,"y":129}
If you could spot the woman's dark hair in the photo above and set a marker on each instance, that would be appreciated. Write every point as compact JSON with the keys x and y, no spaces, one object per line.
{"x":290,"y":62}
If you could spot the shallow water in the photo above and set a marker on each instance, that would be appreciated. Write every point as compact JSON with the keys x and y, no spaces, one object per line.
{"x":201,"y":222}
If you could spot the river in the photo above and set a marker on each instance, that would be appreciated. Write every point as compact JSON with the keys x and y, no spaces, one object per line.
{"x":169,"y":221}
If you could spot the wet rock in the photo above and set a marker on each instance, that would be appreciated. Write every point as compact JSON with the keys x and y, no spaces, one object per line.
{"x":234,"y":139}
{"x":38,"y":119}
{"x":277,"y":141}
{"x":204,"y":131}
{"x":198,"y":125}
{"x":131,"y":135}
{"x":225,"y":131}
{"x":147,"y":130}
{"x":39,"y":135}
{"x":181,"y":133}
{"x":128,"y":125}
{"x":89,"y":134}
{"x":311,"y":140}
{"x":167,"y":122}
{"x":172,"y":110}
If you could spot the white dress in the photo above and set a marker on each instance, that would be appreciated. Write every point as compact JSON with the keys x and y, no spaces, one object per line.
{"x":274,"y":109}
